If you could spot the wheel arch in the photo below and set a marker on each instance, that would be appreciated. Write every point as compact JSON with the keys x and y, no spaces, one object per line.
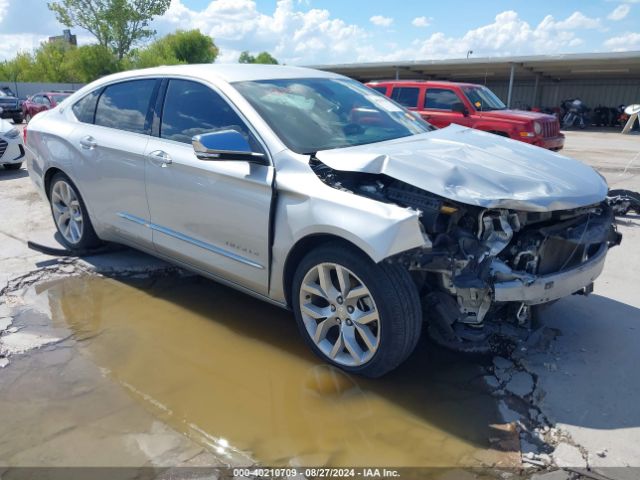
{"x":304,"y":246}
{"x":48,"y":176}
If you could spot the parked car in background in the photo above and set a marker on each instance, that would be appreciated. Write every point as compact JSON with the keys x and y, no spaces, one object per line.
{"x":474,"y":106}
{"x":11,"y":146}
{"x":40,"y":102}
{"x":310,"y":191}
{"x":10,"y":105}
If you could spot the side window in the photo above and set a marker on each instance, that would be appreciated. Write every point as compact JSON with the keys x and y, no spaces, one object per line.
{"x":85,"y":108}
{"x":125,"y":105}
{"x":381,"y":89}
{"x":440,"y":99}
{"x":37,"y":99}
{"x":191,"y":108}
{"x":406,"y":96}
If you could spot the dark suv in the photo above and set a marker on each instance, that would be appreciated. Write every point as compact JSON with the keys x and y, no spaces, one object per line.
{"x":10,"y":105}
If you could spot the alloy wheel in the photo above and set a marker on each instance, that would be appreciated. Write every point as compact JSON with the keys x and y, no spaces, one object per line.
{"x":67,"y":211}
{"x":340,"y":314}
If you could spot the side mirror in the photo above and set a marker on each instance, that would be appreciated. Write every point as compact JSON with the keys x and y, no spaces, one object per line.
{"x":225,"y":145}
{"x":460,"y":108}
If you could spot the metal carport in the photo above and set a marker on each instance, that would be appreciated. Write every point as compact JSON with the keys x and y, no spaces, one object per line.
{"x":542,"y":80}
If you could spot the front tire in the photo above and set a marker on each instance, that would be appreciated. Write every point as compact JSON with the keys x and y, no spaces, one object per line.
{"x":362,"y":317}
{"x":70,"y":215}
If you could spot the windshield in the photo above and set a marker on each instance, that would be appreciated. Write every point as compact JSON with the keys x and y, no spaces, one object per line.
{"x":312,"y":114}
{"x":59,"y":98}
{"x":483,"y":99}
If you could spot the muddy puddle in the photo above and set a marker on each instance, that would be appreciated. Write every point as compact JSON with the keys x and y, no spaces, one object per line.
{"x":233,"y":374}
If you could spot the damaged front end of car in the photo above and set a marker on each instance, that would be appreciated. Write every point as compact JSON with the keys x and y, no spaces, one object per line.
{"x":482,"y":271}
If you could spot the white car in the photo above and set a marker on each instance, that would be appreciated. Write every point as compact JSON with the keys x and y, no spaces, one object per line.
{"x":11,"y":146}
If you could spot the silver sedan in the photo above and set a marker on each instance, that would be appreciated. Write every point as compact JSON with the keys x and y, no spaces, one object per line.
{"x":315,"y":193}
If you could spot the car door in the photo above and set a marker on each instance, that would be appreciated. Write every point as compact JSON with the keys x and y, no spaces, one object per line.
{"x":35,"y":104}
{"x":210,"y":214}
{"x":111,"y":145}
{"x":45,"y":103}
{"x":438,"y":108}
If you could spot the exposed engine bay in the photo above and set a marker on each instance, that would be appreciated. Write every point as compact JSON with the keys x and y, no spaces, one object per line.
{"x":482,"y":272}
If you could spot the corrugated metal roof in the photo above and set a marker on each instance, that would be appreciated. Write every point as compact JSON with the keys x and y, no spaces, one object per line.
{"x":551,"y":67}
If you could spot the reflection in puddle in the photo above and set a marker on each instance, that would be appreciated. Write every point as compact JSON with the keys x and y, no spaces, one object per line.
{"x":233,"y":372}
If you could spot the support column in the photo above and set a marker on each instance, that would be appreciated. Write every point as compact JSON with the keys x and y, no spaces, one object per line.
{"x":534,"y":101}
{"x":513,"y":71}
{"x":397,"y":73}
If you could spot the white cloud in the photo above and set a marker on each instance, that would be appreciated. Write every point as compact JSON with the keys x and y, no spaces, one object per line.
{"x":4,"y":7}
{"x":508,"y":34}
{"x":12,"y":43}
{"x":625,"y":42}
{"x":291,"y":35}
{"x":620,"y":12}
{"x":381,"y":21}
{"x":421,"y":22}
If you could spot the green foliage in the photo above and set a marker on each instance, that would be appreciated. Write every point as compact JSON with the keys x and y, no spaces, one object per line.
{"x":61,"y":62}
{"x":117,"y":24}
{"x":89,"y":62}
{"x":262,"y":57}
{"x":180,"y":47}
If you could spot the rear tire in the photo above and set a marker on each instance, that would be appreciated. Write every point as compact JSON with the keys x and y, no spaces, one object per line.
{"x":18,"y":120}
{"x":12,"y":166}
{"x":368,"y":323}
{"x":70,"y":215}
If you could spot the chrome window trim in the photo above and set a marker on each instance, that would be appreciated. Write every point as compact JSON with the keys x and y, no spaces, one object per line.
{"x":191,"y":240}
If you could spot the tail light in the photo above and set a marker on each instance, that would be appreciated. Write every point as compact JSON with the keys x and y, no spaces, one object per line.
{"x":24,"y":135}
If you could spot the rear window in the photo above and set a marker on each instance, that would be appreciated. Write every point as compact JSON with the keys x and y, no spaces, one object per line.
{"x":125,"y":106}
{"x":85,"y":108}
{"x":440,"y":99}
{"x":406,"y":96}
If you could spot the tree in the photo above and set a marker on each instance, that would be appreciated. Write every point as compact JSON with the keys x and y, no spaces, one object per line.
{"x":192,"y":46}
{"x":89,"y":62}
{"x":262,"y":57}
{"x":180,"y":47}
{"x":51,"y":62}
{"x":117,"y":24}
{"x":18,"y":69}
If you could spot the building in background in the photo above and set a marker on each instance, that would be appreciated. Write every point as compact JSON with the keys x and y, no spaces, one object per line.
{"x":66,"y":37}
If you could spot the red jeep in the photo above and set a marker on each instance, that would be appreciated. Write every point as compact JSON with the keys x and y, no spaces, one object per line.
{"x":475,"y":106}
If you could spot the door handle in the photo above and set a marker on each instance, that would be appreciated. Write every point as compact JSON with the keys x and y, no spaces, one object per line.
{"x":160,"y":158}
{"x":88,"y":142}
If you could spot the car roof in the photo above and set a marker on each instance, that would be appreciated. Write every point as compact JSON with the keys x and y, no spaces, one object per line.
{"x":229,"y":72}
{"x":413,"y":83}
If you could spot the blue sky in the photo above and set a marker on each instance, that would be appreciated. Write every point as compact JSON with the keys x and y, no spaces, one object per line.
{"x":331,"y":31}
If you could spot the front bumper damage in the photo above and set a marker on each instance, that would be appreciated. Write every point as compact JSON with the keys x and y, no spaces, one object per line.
{"x":534,"y":290}
{"x":479,"y":292}
{"x":483,"y":269}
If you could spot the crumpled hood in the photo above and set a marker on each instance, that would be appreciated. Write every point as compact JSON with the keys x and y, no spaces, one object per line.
{"x":477,"y":168}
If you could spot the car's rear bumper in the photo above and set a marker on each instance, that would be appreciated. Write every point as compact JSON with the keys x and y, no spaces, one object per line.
{"x":11,"y":112}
